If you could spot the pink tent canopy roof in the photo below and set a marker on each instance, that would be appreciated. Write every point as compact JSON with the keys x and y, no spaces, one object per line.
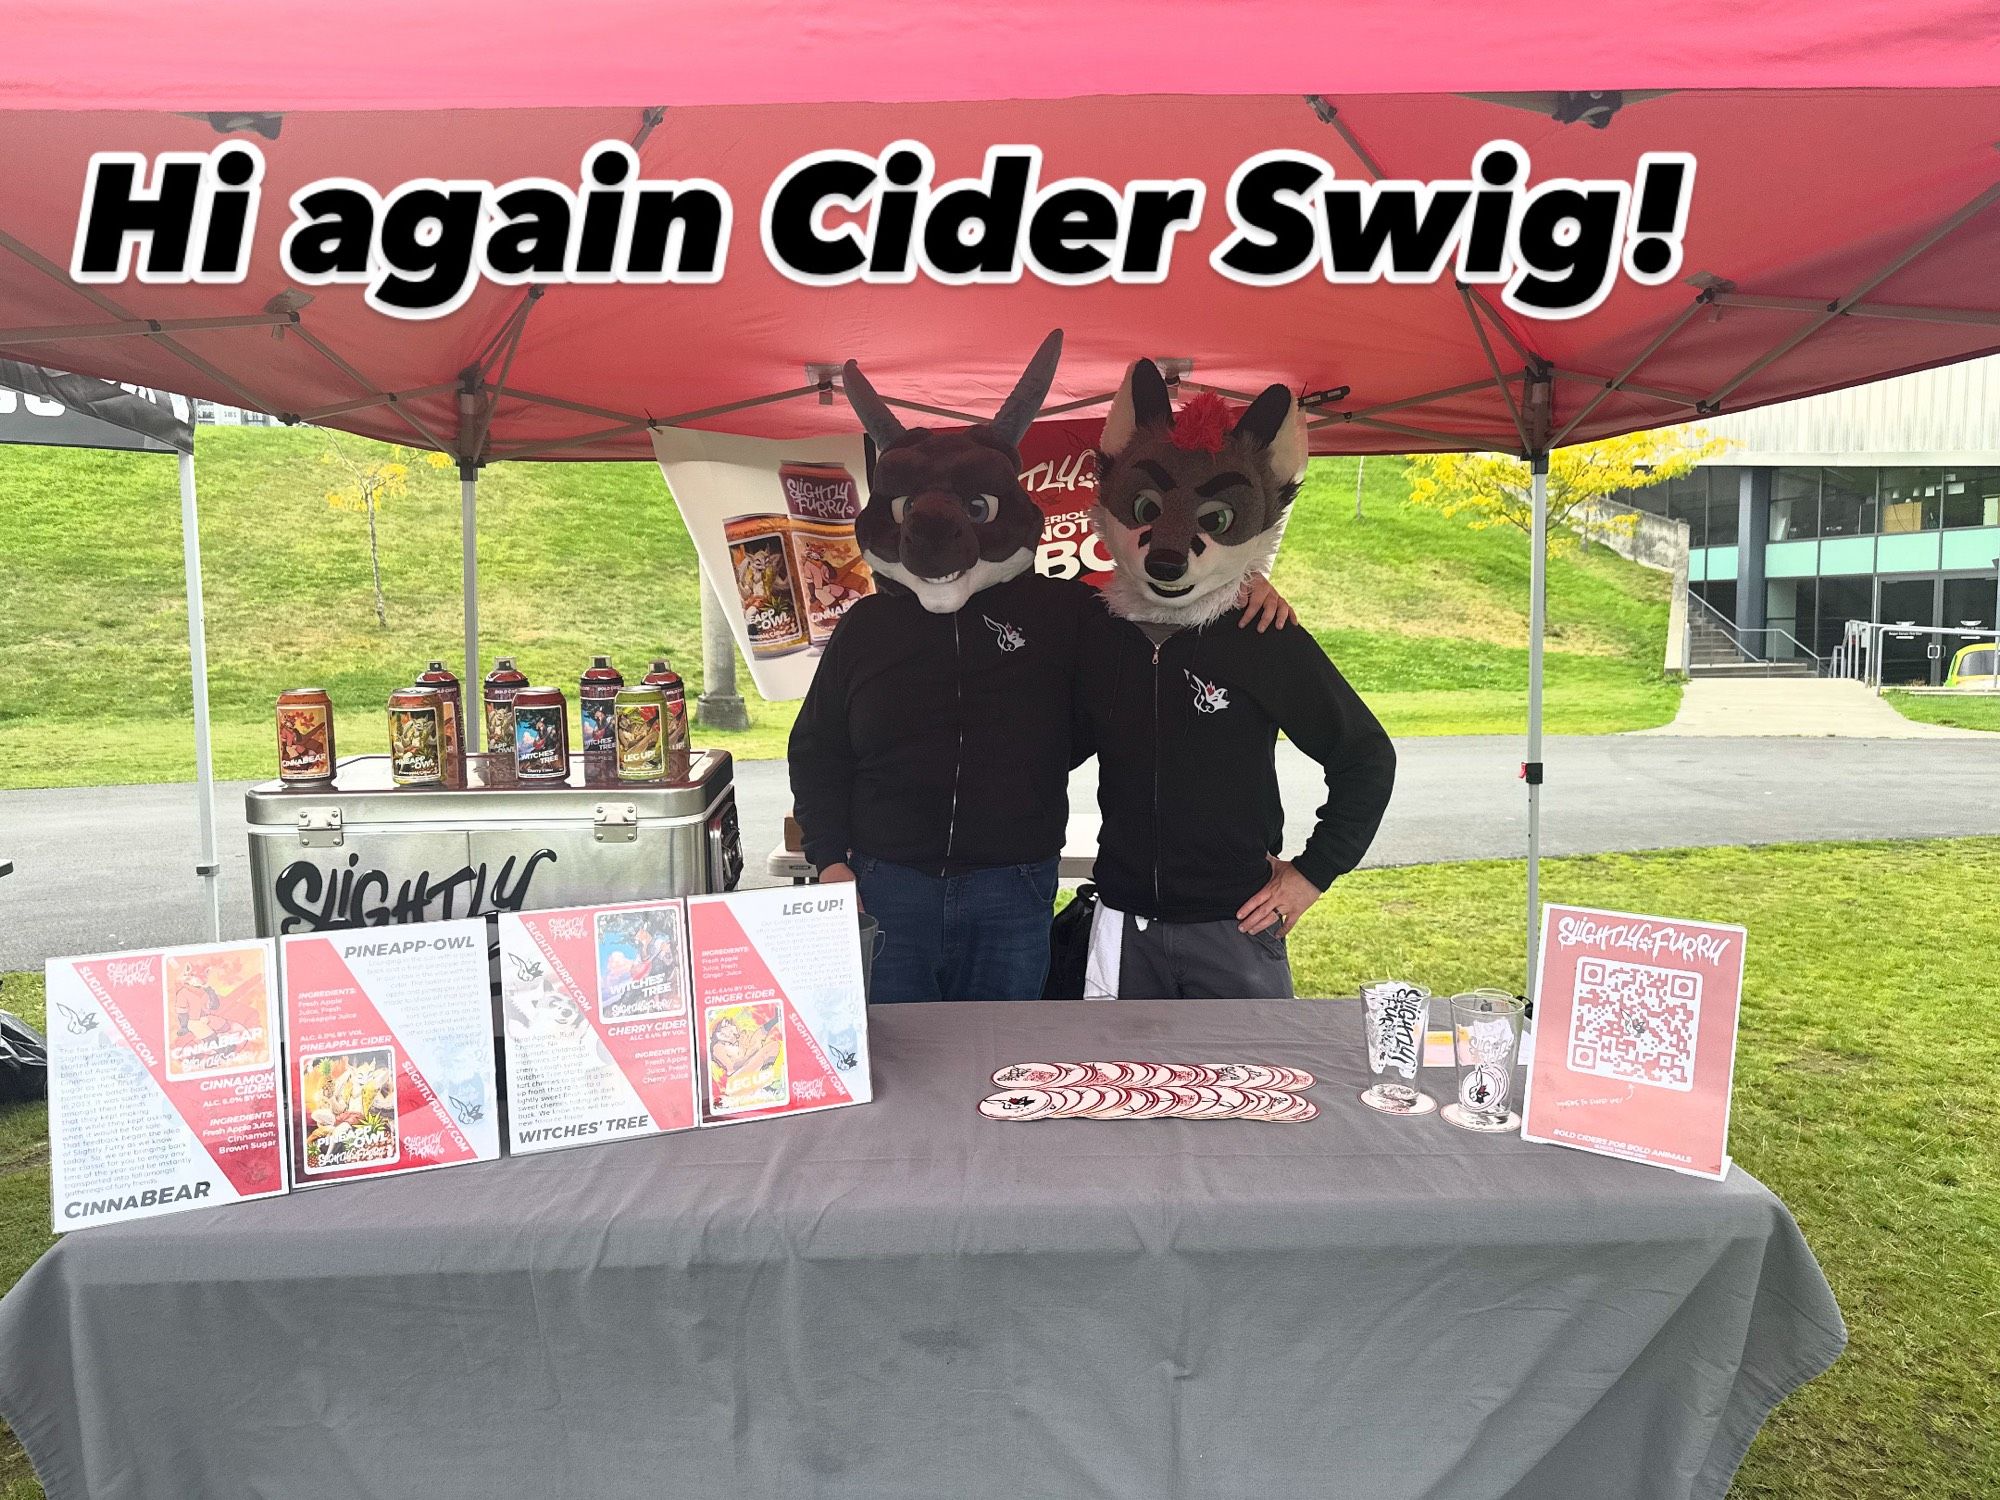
{"x":514,"y":54}
{"x":1877,"y":139}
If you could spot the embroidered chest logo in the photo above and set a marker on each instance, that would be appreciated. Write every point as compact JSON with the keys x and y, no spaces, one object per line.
{"x":1009,"y":636}
{"x":1208,"y":698}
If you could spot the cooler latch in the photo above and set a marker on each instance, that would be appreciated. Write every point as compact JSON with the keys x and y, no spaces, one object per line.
{"x":615,"y":822}
{"x":319,"y":827}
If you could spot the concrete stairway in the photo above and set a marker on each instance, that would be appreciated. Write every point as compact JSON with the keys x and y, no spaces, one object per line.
{"x":1712,"y":653}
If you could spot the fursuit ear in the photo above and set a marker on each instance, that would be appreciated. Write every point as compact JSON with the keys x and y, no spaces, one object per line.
{"x":877,"y":420}
{"x":1275,"y":424}
{"x":1142,"y":401}
{"x":1018,"y":413}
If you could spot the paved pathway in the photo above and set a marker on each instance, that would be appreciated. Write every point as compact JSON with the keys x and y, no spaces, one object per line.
{"x":1787,"y":706}
{"x":111,"y":867}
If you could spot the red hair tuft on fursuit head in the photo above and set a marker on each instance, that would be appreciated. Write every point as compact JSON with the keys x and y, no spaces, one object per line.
{"x":1203,"y":425}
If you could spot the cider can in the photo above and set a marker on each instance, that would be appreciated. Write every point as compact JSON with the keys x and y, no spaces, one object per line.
{"x":597,"y":693}
{"x":454,"y":735}
{"x":416,"y":736}
{"x":305,"y":735}
{"x":760,"y":559}
{"x":502,"y":683}
{"x":831,"y":575}
{"x":639,"y":728}
{"x":674,"y":691}
{"x":541,"y":734}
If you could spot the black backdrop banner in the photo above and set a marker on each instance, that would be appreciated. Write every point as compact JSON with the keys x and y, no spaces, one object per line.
{"x":57,"y":410}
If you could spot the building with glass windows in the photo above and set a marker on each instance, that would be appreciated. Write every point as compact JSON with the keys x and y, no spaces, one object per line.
{"x":1876,"y":503}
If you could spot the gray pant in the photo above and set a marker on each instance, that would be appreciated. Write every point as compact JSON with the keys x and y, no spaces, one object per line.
{"x":1202,"y":961}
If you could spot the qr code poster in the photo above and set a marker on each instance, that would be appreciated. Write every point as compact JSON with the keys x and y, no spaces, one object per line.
{"x":1635,"y":1019}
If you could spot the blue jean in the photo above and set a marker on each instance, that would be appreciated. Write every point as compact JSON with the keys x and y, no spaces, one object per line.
{"x":983,"y":935}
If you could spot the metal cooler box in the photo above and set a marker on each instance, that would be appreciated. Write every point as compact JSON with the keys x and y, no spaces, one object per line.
{"x":363,"y":851}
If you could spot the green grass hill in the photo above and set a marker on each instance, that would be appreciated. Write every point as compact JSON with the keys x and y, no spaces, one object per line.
{"x":1425,"y":616}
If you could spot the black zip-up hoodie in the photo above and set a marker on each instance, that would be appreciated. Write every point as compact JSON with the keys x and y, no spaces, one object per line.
{"x":1185,"y":735}
{"x":943,"y":742}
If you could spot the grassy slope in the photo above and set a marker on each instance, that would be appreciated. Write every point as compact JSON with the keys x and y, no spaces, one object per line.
{"x":1863,"y":1098}
{"x":1960,"y":713}
{"x":1426,"y":616}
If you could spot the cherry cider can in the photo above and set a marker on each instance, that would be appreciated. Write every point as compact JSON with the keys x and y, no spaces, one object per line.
{"x":541,"y":734}
{"x":455,"y":734}
{"x":597,"y":694}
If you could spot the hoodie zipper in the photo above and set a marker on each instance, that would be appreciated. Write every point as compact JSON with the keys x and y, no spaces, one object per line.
{"x":1156,"y":776}
{"x":958,"y":766}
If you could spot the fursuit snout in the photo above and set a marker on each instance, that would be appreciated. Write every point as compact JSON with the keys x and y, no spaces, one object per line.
{"x":1168,"y":545}
{"x":939,"y":539}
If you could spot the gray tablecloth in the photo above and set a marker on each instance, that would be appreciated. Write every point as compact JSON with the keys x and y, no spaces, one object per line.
{"x":907,"y":1300}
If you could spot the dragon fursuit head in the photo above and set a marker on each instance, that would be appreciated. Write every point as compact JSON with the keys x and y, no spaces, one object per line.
{"x":1192,"y":503}
{"x":946,"y":514}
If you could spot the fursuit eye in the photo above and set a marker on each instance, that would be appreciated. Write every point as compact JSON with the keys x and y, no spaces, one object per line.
{"x":982,"y":508}
{"x":1215,"y":519}
{"x":1146,"y":508}
{"x":898,"y":508}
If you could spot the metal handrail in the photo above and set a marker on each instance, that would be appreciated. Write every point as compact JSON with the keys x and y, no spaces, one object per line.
{"x":1736,"y":633}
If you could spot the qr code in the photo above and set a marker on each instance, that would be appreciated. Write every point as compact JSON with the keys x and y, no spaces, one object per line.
{"x":1635,"y":1022}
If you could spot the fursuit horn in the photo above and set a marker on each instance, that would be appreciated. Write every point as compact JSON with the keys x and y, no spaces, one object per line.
{"x":877,"y":420}
{"x":1013,"y":420}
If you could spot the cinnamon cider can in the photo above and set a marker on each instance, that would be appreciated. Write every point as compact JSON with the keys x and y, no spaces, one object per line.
{"x":541,"y":734}
{"x":502,"y":683}
{"x":760,"y":559}
{"x":828,"y":573}
{"x":305,"y":736}
{"x":416,"y":736}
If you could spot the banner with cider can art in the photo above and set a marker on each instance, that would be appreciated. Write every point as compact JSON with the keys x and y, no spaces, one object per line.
{"x":773,"y":525}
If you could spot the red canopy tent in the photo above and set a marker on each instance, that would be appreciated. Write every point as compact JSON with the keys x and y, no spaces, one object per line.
{"x":1843,"y":224}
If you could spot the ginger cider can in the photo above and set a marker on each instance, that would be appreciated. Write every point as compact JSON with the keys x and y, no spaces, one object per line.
{"x":668,"y":681}
{"x":541,"y":734}
{"x":502,"y":683}
{"x":416,"y":736}
{"x":760,"y":559}
{"x":305,"y":736}
{"x":597,"y":692}
{"x":639,"y":728}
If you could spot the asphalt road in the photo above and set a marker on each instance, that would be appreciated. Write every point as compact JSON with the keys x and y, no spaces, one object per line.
{"x":103,"y":868}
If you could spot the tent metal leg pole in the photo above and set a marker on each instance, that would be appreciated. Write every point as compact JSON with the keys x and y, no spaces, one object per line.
{"x":1538,"y":581}
{"x":468,"y":541}
{"x":207,"y":865}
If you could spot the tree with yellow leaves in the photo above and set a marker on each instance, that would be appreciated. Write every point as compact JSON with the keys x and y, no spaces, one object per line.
{"x":369,"y":485}
{"x":1493,"y":488}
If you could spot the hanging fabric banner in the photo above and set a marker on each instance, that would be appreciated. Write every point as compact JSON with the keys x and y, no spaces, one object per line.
{"x":773,"y":525}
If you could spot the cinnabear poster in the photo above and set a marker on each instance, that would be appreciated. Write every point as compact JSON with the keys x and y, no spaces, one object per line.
{"x":594,"y":1007}
{"x":781,"y":1020}
{"x":163,"y":1082}
{"x":390,"y":1056}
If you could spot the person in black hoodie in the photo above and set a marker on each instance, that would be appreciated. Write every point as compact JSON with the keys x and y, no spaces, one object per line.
{"x":931,"y":758}
{"x":1184,"y":710}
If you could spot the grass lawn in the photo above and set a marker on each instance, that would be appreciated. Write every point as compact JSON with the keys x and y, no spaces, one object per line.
{"x":1982,"y":712}
{"x":1864,"y":1098}
{"x":1427,"y":617}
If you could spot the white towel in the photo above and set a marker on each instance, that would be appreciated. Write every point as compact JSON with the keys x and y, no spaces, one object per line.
{"x":1107,"y":948}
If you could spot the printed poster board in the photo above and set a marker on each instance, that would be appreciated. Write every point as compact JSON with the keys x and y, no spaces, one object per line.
{"x":1635,"y":1037}
{"x":164,"y":1086}
{"x":781,"y":1021}
{"x":594,"y":1011}
{"x":389,"y":1034}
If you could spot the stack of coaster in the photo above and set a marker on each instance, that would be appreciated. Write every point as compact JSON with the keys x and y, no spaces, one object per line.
{"x":1150,"y":1091}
